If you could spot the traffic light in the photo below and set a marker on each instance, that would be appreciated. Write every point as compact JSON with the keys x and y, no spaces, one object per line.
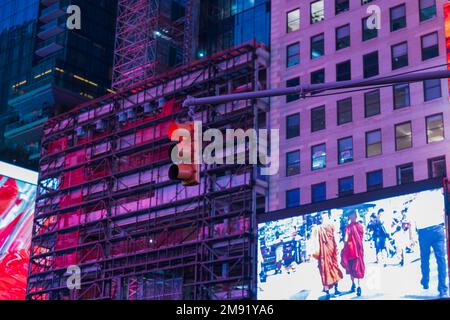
{"x":182,"y":154}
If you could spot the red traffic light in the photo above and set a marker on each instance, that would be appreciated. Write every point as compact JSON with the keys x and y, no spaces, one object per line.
{"x":187,"y":173}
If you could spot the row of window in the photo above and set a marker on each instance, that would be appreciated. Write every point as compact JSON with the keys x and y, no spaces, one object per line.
{"x":374,"y":181}
{"x":399,"y":53}
{"x":372,"y":107}
{"x":427,"y":10}
{"x":373,"y":145}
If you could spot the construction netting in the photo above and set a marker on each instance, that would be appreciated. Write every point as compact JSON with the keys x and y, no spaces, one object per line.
{"x":57,"y":145}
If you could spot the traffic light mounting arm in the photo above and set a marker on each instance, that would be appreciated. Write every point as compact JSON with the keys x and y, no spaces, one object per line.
{"x":305,"y":89}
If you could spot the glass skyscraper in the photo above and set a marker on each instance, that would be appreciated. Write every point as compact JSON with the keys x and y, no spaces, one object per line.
{"x":17,"y":28}
{"x":18,"y":20}
{"x":228,"y":23}
{"x":49,"y":68}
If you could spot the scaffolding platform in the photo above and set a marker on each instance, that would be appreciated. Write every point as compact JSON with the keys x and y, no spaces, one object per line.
{"x":105,"y":202}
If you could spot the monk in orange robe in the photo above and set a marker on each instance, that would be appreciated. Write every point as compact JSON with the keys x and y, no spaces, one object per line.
{"x":326,"y":254}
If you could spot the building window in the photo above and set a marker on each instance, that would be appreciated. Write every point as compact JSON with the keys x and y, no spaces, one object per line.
{"x":430,"y":46}
{"x":344,"y":71}
{"x":432,"y":89}
{"x":293,"y":198}
{"x":319,"y":192}
{"x":370,"y":62}
{"x":317,"y":46}
{"x":363,"y":2}
{"x":367,"y":33}
{"x":293,"y":55}
{"x":374,"y":180}
{"x":427,"y":9}
{"x":346,"y":186}
{"x":437,"y":167}
{"x":293,"y":126}
{"x":341,"y":6}
{"x":373,"y":143}
{"x":317,"y":11}
{"x":292,"y":83}
{"x":318,"y":121}
{"x":399,"y":54}
{"x":372,"y":103}
{"x":435,"y":128}
{"x":318,"y":76}
{"x":398,"y":17}
{"x":293,"y":21}
{"x":292,"y":163}
{"x":405,"y":174}
{"x":401,"y":96}
{"x":345,"y":150}
{"x":403,"y":136}
{"x":318,"y":157}
{"x":344,"y":111}
{"x":343,"y":37}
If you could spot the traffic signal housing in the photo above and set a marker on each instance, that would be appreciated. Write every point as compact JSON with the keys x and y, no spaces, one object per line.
{"x":187,"y":171}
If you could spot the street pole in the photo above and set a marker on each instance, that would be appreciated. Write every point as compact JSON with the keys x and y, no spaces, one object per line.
{"x":305,"y":89}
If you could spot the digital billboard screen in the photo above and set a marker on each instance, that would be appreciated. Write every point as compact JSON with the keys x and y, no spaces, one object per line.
{"x":388,"y":249}
{"x":17,"y":200}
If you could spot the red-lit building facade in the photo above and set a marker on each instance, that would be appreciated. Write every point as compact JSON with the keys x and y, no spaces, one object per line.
{"x":105,"y":202}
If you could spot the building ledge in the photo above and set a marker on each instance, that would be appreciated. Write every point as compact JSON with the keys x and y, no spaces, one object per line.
{"x":50,"y":32}
{"x":51,"y":13}
{"x":48,"y":3}
{"x":24,"y":129}
{"x":48,"y":50}
{"x":34,"y":156}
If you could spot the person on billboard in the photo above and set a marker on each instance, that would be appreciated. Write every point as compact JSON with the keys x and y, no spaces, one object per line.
{"x":401,"y":238}
{"x":352,"y":255}
{"x":297,"y":246}
{"x":429,"y":217}
{"x":411,"y":231}
{"x":325,"y":251}
{"x":379,"y":236}
{"x":371,"y":230}
{"x":279,"y":252}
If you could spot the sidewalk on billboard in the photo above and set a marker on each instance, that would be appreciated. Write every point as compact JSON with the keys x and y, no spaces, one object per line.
{"x":390,"y":282}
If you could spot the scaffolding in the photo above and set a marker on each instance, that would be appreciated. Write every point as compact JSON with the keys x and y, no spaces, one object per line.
{"x":151,"y":36}
{"x":106,"y":205}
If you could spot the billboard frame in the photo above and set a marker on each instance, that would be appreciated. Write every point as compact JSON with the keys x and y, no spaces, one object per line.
{"x":18,"y":173}
{"x":358,"y":198}
{"x":347,"y":201}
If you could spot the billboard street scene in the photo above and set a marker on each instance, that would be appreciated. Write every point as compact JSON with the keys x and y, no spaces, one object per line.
{"x":394,"y":248}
